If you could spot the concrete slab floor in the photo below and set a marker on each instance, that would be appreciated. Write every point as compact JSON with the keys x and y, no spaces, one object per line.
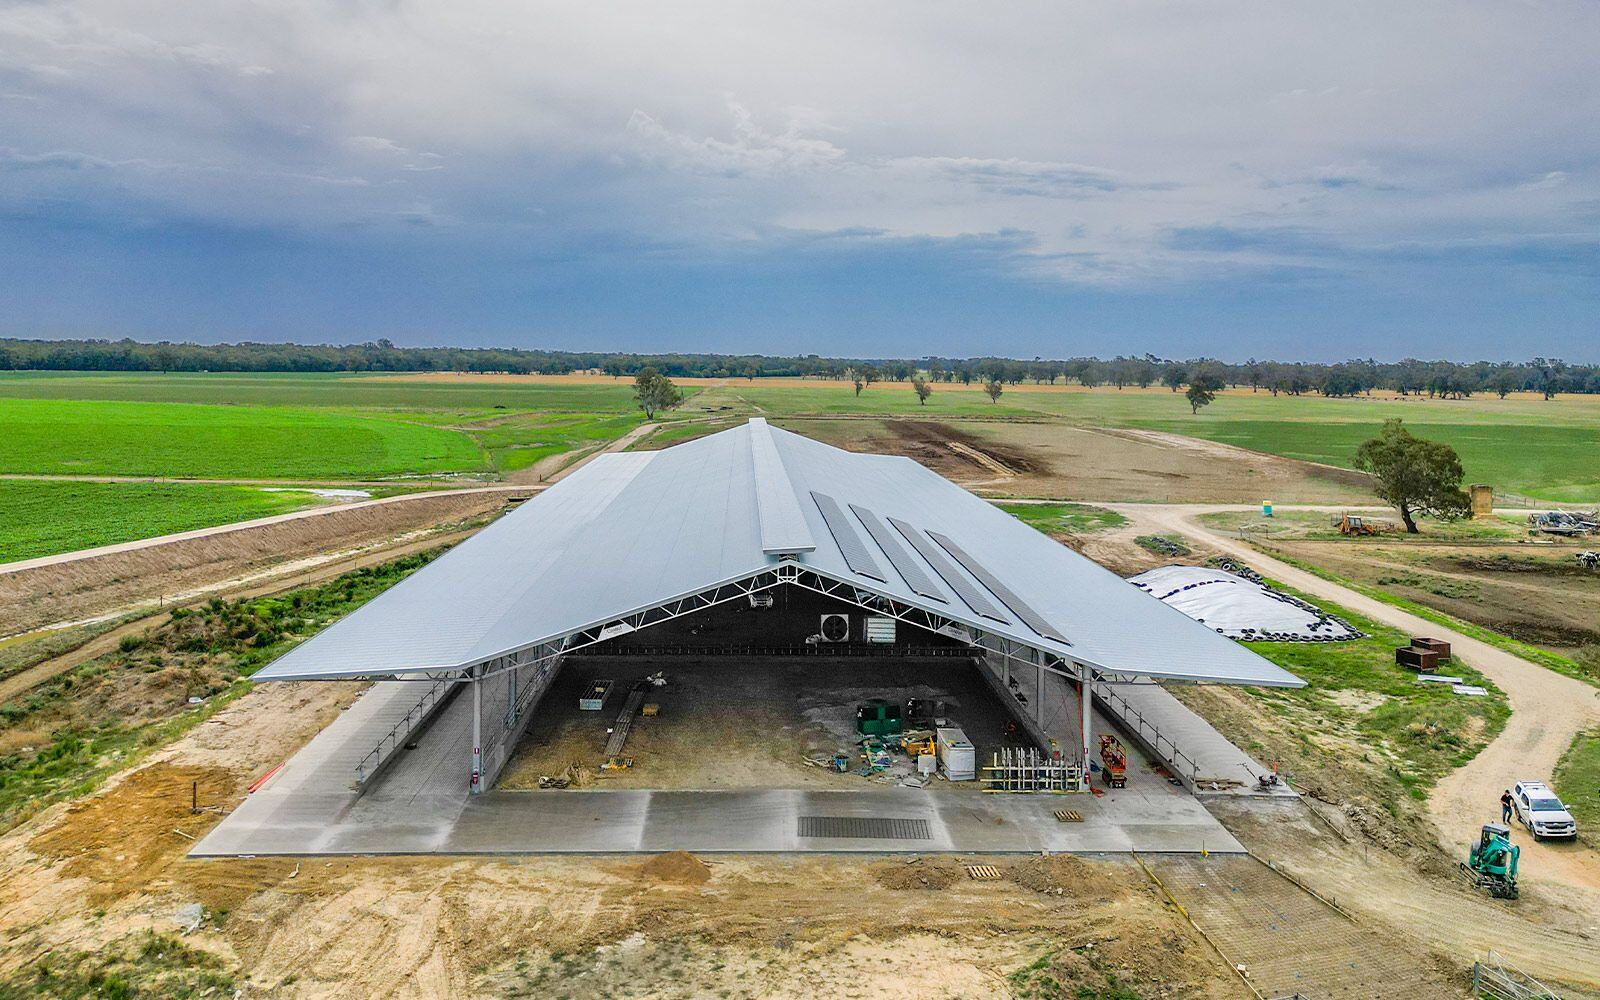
{"x":421,"y":806}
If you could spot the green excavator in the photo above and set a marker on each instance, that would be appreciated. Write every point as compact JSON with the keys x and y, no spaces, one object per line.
{"x":1492,"y":862}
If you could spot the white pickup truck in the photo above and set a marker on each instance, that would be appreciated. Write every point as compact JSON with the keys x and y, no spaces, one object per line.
{"x":1538,"y":809}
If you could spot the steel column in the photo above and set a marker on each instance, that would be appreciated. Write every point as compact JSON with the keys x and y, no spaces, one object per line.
{"x":1038,"y":693}
{"x":476,"y":785}
{"x":1086,"y":697}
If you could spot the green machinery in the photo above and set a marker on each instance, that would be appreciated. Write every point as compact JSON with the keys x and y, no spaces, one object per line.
{"x":1492,"y":862}
{"x":878,"y":718}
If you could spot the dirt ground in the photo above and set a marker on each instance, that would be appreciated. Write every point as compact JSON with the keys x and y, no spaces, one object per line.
{"x":727,"y":724}
{"x":1534,"y":593}
{"x":1014,"y":458}
{"x":110,"y":868}
{"x":1547,"y":711}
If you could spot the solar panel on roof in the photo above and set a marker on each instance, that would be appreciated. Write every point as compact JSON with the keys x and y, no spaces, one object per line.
{"x":1018,"y":606}
{"x":963,"y":587}
{"x":856,"y":555}
{"x":916,"y":579}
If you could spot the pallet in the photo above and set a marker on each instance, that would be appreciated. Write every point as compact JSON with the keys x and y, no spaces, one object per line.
{"x":1069,"y":816}
{"x":983,"y":873}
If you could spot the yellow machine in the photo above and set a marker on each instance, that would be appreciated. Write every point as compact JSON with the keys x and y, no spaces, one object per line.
{"x":1350,"y":525}
{"x":915,"y":744}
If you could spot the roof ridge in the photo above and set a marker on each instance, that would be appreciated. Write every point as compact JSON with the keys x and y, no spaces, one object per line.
{"x":784,"y":529}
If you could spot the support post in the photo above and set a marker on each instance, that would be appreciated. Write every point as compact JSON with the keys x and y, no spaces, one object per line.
{"x":1038,"y":691}
{"x":511,"y":706}
{"x":477,"y":732}
{"x":1085,"y":698}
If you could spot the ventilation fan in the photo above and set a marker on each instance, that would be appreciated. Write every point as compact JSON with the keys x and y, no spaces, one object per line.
{"x":835,"y":628}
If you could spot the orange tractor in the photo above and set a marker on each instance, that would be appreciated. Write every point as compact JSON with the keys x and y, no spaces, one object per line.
{"x":1114,"y":761}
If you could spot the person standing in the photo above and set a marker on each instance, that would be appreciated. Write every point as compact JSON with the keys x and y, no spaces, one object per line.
{"x":1505,"y":807}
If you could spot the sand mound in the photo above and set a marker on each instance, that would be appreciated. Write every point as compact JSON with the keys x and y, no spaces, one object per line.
{"x":675,"y":868}
{"x":1059,"y":875}
{"x":918,"y":873}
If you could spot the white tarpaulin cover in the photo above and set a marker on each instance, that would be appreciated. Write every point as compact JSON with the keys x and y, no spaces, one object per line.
{"x":1240,"y":609}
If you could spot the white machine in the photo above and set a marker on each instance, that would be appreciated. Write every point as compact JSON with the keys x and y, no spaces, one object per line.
{"x":957,"y":757}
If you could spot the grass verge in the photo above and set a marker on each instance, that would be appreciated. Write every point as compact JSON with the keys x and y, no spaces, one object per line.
{"x":1068,"y":518}
{"x":1577,"y":781}
{"x":142,"y":965}
{"x":1420,"y":732}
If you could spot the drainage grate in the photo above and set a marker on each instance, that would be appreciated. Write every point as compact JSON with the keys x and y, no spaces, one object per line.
{"x":982,"y":873}
{"x":1069,"y":816}
{"x":865,"y":827}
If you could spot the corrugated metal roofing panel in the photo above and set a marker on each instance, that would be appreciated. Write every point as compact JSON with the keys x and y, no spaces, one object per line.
{"x":783,"y":526}
{"x":632,"y":531}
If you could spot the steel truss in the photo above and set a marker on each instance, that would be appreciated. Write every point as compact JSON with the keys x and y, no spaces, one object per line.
{"x":532,"y":668}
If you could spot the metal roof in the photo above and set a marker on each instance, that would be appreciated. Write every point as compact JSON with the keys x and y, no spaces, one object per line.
{"x":632,"y":531}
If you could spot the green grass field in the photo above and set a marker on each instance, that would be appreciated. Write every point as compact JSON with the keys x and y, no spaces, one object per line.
{"x":457,"y":399}
{"x":1553,"y":462}
{"x":42,"y":518}
{"x":1577,"y":781}
{"x":311,"y":428}
{"x":1070,"y":518}
{"x":153,"y":439}
{"x":357,"y":426}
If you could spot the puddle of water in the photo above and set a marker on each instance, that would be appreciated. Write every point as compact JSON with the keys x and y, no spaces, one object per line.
{"x":327,"y":493}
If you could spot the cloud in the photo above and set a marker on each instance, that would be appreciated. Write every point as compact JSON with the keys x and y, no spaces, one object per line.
{"x":375,"y":144}
{"x":1123,"y":148}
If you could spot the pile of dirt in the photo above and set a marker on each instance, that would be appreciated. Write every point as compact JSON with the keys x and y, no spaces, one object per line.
{"x":918,"y":873}
{"x":1060,"y":875}
{"x":1136,"y":960}
{"x":947,"y":448}
{"x":675,"y":868}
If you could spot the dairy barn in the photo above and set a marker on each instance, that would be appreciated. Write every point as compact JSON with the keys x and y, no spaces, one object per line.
{"x":755,"y":642}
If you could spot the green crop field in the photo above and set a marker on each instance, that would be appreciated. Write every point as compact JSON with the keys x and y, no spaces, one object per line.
{"x":42,"y":518}
{"x":310,"y":428}
{"x":154,"y":439}
{"x":337,"y":427}
{"x":1546,"y":462}
{"x":438,"y":398}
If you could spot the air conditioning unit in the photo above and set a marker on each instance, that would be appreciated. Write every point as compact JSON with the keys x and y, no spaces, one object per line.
{"x":835,"y":628}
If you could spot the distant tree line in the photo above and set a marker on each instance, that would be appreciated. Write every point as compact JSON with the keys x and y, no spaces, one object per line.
{"x":1449,"y":379}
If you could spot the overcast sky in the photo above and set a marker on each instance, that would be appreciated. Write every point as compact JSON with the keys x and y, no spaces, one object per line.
{"x":1273,"y":179}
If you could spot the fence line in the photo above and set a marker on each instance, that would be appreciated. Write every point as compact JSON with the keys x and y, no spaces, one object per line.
{"x":1148,"y":731}
{"x":397,"y":735}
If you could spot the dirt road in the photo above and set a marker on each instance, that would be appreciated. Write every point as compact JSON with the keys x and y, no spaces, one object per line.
{"x":254,"y":585}
{"x":1547,"y":709}
{"x":260,"y":522}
